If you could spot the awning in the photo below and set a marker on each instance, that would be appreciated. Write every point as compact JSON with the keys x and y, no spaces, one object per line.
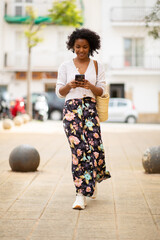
{"x":25,"y":19}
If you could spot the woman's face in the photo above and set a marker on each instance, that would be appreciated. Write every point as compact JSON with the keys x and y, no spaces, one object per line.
{"x":81,"y":48}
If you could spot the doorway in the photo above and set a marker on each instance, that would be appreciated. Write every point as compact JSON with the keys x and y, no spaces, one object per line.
{"x":117,"y":90}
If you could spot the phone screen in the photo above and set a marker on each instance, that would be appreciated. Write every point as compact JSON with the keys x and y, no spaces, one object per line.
{"x":80,"y":77}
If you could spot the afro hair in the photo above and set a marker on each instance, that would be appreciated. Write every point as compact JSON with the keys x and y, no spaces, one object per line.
{"x":83,"y":33}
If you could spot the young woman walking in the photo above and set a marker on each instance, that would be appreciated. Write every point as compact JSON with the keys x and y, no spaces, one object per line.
{"x":80,"y":118}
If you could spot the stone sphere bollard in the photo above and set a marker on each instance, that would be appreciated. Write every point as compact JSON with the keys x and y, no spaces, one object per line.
{"x":151,"y":160}
{"x":26,"y":118}
{"x":7,"y":123}
{"x":18,"y":120}
{"x":24,"y":158}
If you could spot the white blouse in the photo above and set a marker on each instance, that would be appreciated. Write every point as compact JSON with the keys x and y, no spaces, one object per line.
{"x":67,"y":72}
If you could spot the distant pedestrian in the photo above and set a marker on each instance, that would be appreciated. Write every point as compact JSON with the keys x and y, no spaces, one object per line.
{"x":80,"y":118}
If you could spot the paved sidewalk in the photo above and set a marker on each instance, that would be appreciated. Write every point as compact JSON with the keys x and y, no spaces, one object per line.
{"x":37,"y":206}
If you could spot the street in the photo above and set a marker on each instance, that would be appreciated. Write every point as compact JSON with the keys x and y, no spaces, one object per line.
{"x":38,"y":205}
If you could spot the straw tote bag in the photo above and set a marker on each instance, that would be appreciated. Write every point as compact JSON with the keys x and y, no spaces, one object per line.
{"x":102,"y":102}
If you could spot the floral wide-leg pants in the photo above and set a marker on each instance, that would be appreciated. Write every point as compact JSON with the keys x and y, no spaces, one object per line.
{"x":82,"y":127}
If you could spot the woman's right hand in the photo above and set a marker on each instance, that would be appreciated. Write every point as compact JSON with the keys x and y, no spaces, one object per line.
{"x":74,"y":84}
{"x":66,"y":89}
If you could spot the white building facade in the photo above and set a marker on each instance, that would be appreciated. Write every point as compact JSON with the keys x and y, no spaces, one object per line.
{"x":131,"y":58}
{"x":46,"y":56}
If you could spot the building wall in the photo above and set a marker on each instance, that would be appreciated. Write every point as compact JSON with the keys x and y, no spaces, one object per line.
{"x":141,"y":85}
{"x":55,"y":37}
{"x":92,"y":15}
{"x":144,"y":91}
{"x":113,"y":35}
{"x":21,"y":86}
{"x":49,"y":53}
{"x":46,"y":56}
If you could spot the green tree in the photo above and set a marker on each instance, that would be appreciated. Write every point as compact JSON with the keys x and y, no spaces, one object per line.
{"x":32,"y":40}
{"x":154,"y":18}
{"x":66,"y":13}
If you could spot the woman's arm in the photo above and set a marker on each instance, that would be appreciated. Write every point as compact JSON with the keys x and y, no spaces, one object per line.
{"x":65,"y":89}
{"x":62,"y":87}
{"x":97,"y":91}
{"x":101,"y":79}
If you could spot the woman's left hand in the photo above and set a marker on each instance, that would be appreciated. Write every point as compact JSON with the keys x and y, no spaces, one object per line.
{"x":97,"y":91}
{"x":87,"y":84}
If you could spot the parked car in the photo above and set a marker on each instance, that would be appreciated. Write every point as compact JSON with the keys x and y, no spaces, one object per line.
{"x":122,"y":110}
{"x":55,"y":104}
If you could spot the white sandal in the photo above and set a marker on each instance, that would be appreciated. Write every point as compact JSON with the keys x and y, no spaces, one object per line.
{"x":80,"y":202}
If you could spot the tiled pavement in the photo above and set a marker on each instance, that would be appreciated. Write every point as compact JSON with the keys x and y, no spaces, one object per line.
{"x":37,"y":205}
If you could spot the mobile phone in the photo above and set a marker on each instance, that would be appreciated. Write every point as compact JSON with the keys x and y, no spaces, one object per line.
{"x":79,"y":77}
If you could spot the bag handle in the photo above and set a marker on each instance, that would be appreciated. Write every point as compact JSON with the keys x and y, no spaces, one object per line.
{"x":96,"y":66}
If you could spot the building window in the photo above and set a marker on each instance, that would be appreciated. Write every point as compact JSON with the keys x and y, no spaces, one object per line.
{"x":20,"y":7}
{"x":133,"y":52}
{"x":18,"y":11}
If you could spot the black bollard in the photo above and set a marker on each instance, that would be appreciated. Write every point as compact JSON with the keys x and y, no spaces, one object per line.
{"x":151,"y":160}
{"x":24,"y":158}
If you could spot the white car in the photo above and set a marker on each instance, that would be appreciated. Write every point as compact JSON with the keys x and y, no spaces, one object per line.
{"x":121,"y":110}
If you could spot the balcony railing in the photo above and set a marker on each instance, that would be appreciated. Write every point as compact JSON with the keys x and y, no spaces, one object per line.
{"x":46,"y":60}
{"x":129,"y":14}
{"x":13,"y":9}
{"x":135,"y":62}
